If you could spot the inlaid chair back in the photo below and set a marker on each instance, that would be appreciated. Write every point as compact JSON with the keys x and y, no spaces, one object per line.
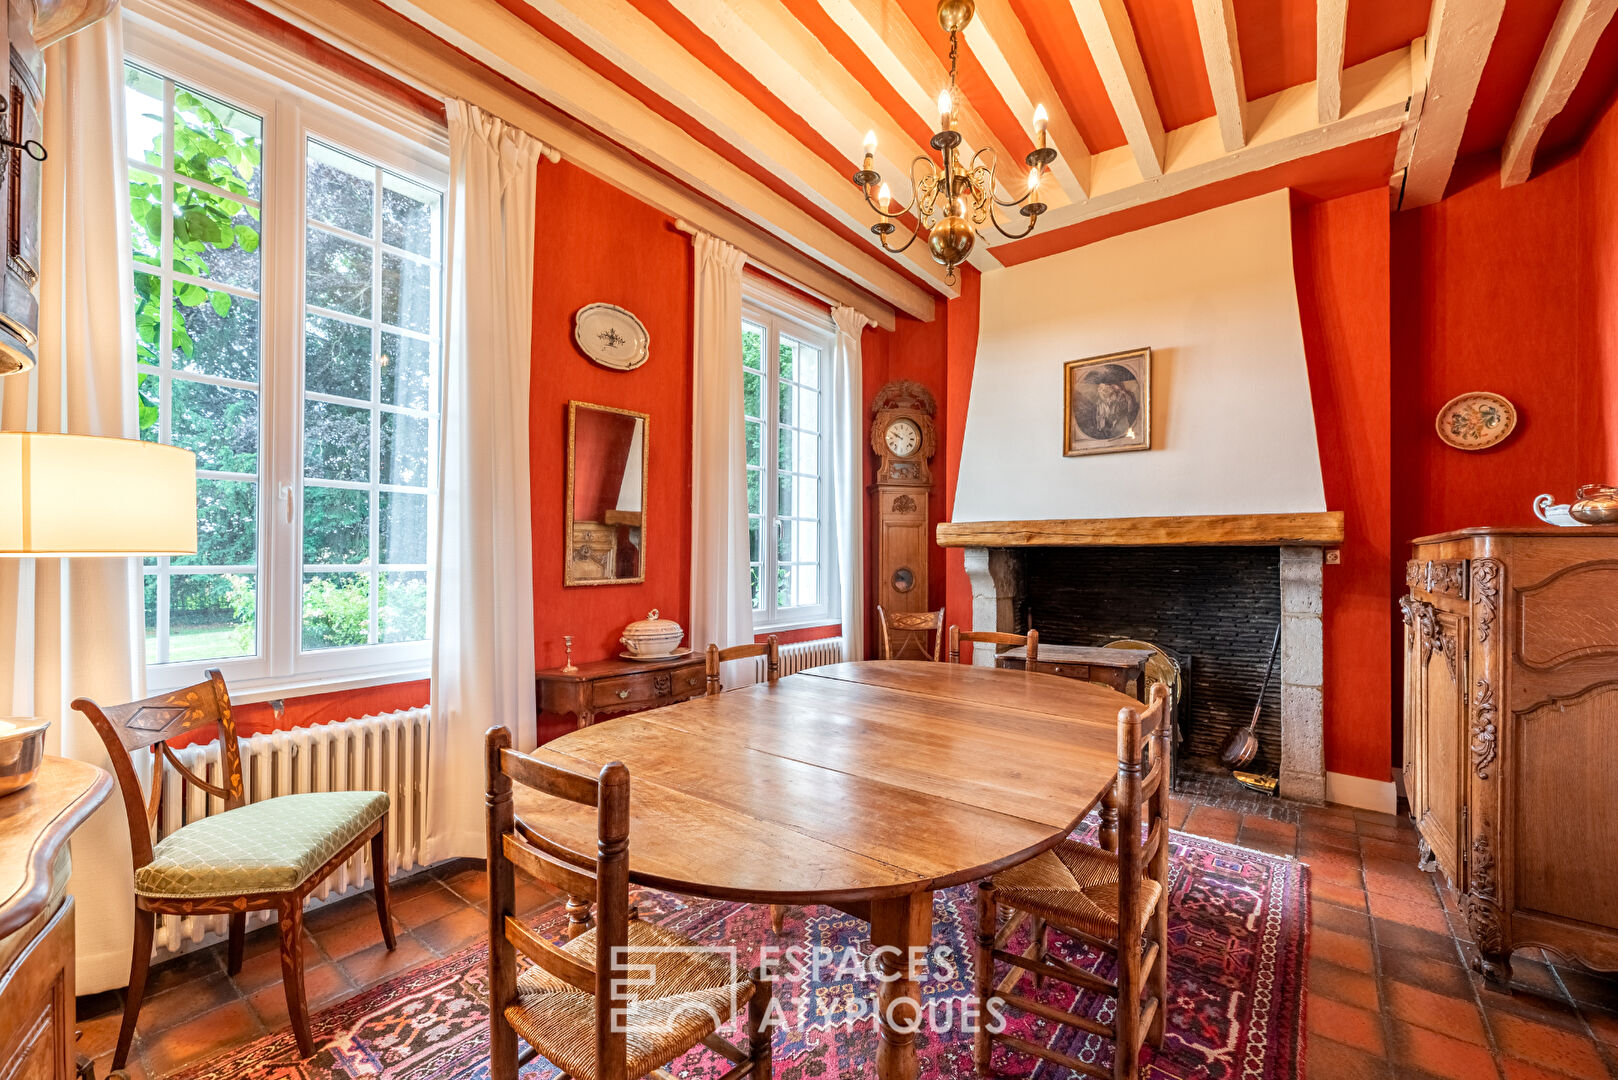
{"x":904,"y":634}
{"x":770,"y":649}
{"x":990,"y":637}
{"x":662,"y":988}
{"x":151,"y":722}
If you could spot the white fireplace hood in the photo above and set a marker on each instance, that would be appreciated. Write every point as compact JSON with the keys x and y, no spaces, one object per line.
{"x":1233,"y":427}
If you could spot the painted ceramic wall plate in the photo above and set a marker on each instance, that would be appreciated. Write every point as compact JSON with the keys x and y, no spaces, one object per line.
{"x":611,"y":336}
{"x":1476,"y":421}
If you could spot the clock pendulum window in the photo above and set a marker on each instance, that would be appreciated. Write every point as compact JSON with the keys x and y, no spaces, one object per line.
{"x":902,"y":438}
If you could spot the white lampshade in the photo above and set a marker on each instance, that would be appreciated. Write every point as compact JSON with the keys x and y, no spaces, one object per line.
{"x":81,"y":495}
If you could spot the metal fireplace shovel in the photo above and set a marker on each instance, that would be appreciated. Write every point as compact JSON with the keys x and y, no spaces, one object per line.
{"x":1242,"y":746}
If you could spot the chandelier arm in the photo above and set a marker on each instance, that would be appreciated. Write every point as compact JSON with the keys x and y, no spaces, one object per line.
{"x":883,"y":240}
{"x":995,"y":221}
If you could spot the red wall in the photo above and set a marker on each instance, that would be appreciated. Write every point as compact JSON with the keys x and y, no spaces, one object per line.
{"x":1340,"y":262}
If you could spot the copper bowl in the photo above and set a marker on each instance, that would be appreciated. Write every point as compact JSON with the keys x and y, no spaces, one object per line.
{"x":22,"y":751}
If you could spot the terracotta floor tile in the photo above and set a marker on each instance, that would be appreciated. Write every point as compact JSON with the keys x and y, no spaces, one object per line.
{"x":1395,"y":851}
{"x":1522,"y":1070}
{"x":1563,"y":1051}
{"x":181,"y":969}
{"x":1343,"y":984}
{"x":185,"y":1002}
{"x":1423,"y":916}
{"x":322,"y":985}
{"x":1417,"y":1048}
{"x":1359,"y":1028}
{"x":1319,"y":838}
{"x":1457,"y":1017}
{"x":1322,"y":859}
{"x":99,"y":1035}
{"x":1394,"y":879}
{"x":1398,"y":937}
{"x":425,"y":905}
{"x":370,"y":965}
{"x":470,"y":885}
{"x":1525,"y":1003}
{"x":1265,"y":826}
{"x":1536,"y":975}
{"x":1341,"y":919}
{"x":1592,"y":989}
{"x":1378,"y":831}
{"x":1331,"y":873}
{"x":1214,"y":823}
{"x":338,"y":911}
{"x":1341,"y":949}
{"x":197,"y":1038}
{"x":453,"y":931}
{"x":1329,"y":892}
{"x":1436,"y":975}
{"x":1266,"y":843}
{"x":134,"y":1067}
{"x":346,"y":938}
{"x":1329,"y":1060}
{"x":261,"y":959}
{"x":1603,"y":1023}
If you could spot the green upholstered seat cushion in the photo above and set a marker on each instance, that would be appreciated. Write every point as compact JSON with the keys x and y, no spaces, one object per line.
{"x":268,"y":846}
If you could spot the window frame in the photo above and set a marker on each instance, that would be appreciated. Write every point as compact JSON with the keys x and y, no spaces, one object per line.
{"x":297,"y":101}
{"x":778,"y":313}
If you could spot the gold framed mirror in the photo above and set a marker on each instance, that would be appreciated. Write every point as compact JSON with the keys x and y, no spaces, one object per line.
{"x":608,"y":460}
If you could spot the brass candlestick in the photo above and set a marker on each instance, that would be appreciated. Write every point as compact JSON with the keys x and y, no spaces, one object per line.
{"x":567,"y":643}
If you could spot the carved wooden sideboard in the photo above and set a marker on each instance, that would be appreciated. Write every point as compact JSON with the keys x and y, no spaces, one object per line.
{"x":1511,"y":734}
{"x":617,"y":686}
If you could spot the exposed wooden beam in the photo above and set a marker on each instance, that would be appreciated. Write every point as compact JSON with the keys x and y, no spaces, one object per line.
{"x":1573,"y":37}
{"x":1282,"y":127}
{"x":998,"y":40}
{"x":1216,"y":26}
{"x":1331,"y":29}
{"x":1407,"y":132}
{"x":498,"y":39}
{"x":1111,"y":38}
{"x":419,"y":58}
{"x":618,"y":31}
{"x":1460,"y":34}
{"x":1306,"y":529}
{"x":887,"y":37}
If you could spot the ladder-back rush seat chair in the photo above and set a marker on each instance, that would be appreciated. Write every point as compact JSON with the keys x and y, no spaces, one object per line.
{"x":1116,"y":902}
{"x":904,"y":634}
{"x":266,"y":855}
{"x":770,"y":649}
{"x":990,"y":637}
{"x":624,"y":998}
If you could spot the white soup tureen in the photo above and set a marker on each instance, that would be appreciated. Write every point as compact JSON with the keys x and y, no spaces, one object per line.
{"x":652,"y":636}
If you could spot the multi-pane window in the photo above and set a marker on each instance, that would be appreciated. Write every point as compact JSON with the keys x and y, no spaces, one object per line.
{"x":788,"y":473}
{"x":288,"y":292}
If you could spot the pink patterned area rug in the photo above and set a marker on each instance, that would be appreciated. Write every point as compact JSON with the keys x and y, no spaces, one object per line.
{"x":1238,"y":930}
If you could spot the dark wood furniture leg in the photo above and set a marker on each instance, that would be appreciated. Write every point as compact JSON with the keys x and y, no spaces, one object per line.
{"x":290,"y":917}
{"x":1108,"y":836}
{"x":578,"y":916}
{"x":379,"y":881}
{"x":898,"y":926}
{"x":140,"y":961}
{"x":238,"y":937}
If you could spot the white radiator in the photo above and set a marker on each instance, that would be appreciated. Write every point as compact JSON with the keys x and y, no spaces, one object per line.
{"x":806,"y":654}
{"x":371,"y":753}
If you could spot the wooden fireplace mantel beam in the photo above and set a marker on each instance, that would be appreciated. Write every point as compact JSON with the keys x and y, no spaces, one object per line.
{"x":1323,"y":529}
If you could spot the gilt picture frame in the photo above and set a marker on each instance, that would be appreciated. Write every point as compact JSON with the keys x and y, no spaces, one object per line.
{"x":1107,"y":403}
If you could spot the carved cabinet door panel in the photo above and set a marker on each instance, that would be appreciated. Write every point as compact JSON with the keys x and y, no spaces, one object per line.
{"x":1414,"y":715}
{"x":1443,"y":656}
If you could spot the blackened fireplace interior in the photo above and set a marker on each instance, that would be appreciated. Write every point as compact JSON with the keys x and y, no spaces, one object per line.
{"x":1215,"y":609}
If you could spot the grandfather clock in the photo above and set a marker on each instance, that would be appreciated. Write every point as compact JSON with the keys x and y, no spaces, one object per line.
{"x":902,"y":436}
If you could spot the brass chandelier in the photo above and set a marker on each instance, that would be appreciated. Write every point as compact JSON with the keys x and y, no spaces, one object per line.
{"x":950,"y":204}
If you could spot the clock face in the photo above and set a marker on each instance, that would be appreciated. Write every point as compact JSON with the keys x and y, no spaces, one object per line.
{"x":903,"y":437}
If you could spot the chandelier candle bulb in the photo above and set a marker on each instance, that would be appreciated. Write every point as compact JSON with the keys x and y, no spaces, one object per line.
{"x":1041,"y":125}
{"x":944,"y":109}
{"x":884,"y":198}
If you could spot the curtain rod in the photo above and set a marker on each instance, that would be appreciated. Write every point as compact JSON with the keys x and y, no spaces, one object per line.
{"x":689,"y":229}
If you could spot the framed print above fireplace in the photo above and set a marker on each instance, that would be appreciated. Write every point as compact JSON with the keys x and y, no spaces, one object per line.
{"x":1107,"y":403}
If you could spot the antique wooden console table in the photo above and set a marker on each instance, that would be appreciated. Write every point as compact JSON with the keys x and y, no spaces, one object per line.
{"x":618,"y":686}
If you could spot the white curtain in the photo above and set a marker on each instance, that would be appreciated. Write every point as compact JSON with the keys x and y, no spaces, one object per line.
{"x":483,"y":612}
{"x":847,"y":436}
{"x":721,"y":587}
{"x":71,"y":627}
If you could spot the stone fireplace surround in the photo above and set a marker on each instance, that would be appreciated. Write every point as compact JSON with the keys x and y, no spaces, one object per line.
{"x":994,"y":568}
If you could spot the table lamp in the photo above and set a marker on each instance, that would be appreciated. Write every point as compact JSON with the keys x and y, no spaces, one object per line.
{"x":77,"y":496}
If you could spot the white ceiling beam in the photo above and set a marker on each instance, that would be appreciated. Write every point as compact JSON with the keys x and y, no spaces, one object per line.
{"x":498,"y":39}
{"x":1216,"y":26}
{"x":1573,"y":37}
{"x":1331,"y":30}
{"x":418,"y":58}
{"x":1111,"y":38}
{"x":998,"y":40}
{"x":1282,"y":127}
{"x":619,"y":32}
{"x":1406,"y":147}
{"x":1460,"y":34}
{"x":887,"y":37}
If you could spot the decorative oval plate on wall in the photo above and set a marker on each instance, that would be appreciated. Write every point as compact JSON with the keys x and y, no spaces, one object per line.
{"x":611,"y":336}
{"x":1476,"y":421}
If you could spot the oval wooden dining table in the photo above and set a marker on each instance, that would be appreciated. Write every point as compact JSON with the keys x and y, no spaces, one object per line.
{"x":863,"y":786}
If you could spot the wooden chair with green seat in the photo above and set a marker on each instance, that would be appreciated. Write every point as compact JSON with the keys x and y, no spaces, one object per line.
{"x":624,"y":998}
{"x":770,"y":649}
{"x":266,"y":855}
{"x":1116,"y":902}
